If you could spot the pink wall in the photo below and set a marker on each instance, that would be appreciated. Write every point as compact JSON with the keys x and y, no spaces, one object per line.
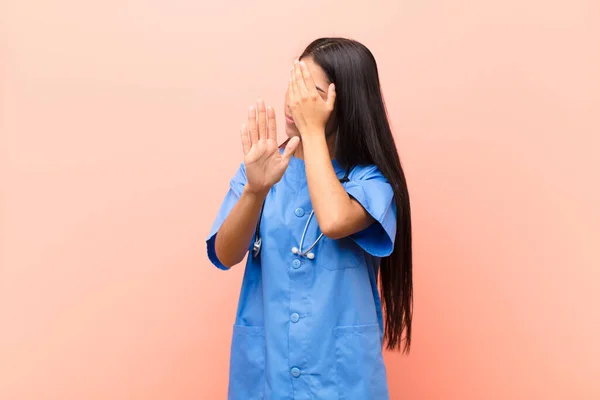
{"x":119,"y":132}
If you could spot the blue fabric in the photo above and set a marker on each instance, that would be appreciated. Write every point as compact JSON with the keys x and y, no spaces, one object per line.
{"x":236,"y":187}
{"x":311,"y":329}
{"x":372,"y":190}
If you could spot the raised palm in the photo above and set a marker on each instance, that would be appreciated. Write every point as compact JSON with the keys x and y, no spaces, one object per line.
{"x":265,"y":164}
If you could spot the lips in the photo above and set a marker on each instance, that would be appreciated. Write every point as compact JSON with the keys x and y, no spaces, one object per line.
{"x":289,"y":119}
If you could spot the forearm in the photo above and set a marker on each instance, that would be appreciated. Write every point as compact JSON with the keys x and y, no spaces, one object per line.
{"x":330,"y":201}
{"x":234,"y":236}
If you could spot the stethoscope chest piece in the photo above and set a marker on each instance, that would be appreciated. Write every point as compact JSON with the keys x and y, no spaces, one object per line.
{"x":256,"y":247}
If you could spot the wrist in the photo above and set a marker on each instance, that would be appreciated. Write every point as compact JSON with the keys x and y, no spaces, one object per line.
{"x":314,"y":139}
{"x":312,"y":132}
{"x":258,"y":194}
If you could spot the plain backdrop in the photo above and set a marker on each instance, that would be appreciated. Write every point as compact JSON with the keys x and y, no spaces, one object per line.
{"x":119,"y":134}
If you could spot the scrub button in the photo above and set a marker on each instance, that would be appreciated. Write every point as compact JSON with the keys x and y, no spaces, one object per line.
{"x":296,"y":264}
{"x":295,"y":317}
{"x":299,"y":212}
{"x":295,"y":372}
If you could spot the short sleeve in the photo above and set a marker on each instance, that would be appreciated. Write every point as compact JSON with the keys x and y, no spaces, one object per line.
{"x":371,"y":189}
{"x":236,"y":187}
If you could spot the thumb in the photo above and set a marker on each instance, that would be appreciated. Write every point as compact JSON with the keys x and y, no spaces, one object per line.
{"x":289,"y":149}
{"x":331,"y":96}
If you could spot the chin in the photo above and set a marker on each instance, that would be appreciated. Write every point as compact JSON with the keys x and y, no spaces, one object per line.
{"x":291,"y":131}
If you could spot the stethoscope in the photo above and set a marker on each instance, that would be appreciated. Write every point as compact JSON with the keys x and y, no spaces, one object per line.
{"x":296,"y":250}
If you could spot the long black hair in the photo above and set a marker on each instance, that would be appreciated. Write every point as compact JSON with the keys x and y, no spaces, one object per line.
{"x":365,"y":138}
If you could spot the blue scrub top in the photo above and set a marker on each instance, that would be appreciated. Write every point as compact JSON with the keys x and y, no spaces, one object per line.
{"x":310,"y":329}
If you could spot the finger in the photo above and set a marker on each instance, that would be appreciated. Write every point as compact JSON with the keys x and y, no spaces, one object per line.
{"x":246,"y":145}
{"x":331,"y":96}
{"x":252,"y":125}
{"x":285,"y":142}
{"x":271,"y":124}
{"x":290,"y":148}
{"x":309,"y":83}
{"x":299,"y":79}
{"x":296,"y":89}
{"x":290,"y":91}
{"x":262,"y":119}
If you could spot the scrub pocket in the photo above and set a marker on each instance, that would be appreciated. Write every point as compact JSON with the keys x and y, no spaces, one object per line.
{"x":340,"y":254}
{"x":360,"y":370}
{"x":247,"y":363}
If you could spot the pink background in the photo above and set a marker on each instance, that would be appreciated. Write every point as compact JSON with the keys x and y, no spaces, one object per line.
{"x":119,"y":133}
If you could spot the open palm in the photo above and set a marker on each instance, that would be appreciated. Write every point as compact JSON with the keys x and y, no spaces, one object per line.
{"x":265,"y":164}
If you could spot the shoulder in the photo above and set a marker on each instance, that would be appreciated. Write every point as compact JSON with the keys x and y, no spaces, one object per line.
{"x":367,"y":172}
{"x":368,"y":182}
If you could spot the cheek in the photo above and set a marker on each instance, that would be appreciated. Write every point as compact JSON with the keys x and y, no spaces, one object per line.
{"x":286,"y":101}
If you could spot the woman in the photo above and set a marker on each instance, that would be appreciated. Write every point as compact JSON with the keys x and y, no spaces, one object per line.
{"x":323,"y":218}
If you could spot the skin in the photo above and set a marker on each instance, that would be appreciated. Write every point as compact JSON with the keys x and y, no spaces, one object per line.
{"x":309,"y":102}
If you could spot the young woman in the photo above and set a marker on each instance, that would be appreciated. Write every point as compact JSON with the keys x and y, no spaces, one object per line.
{"x":323,"y":217}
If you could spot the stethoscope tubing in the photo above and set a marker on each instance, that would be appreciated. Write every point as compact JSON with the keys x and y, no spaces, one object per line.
{"x":257,"y":246}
